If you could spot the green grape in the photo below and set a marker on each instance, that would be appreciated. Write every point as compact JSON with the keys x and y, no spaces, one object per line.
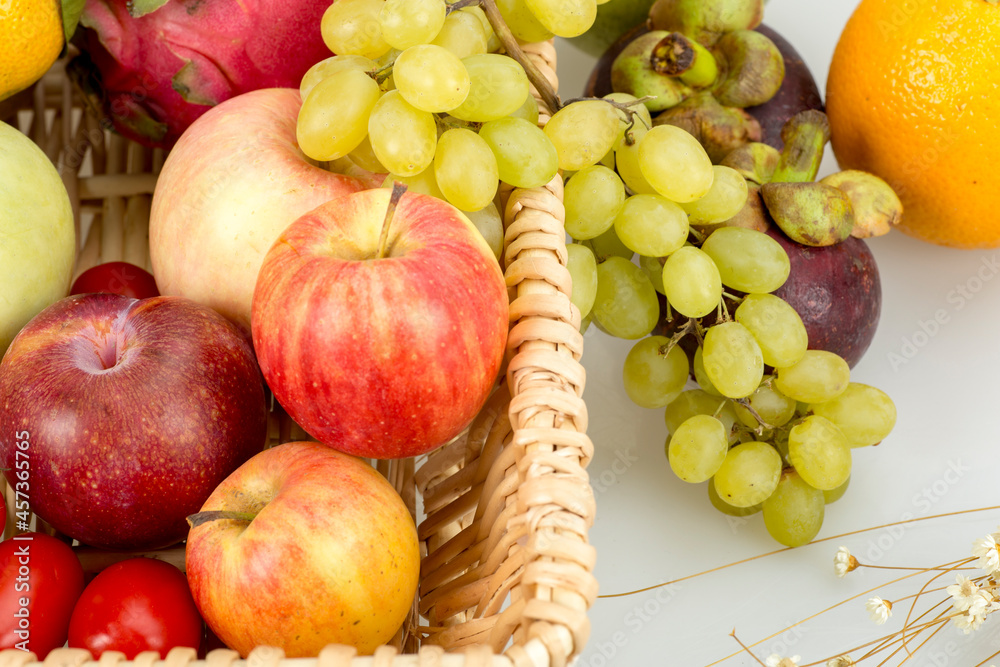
{"x":834,"y":495}
{"x":653,"y":379}
{"x":701,"y":377}
{"x":697,"y":448}
{"x":431,"y":78}
{"x":675,"y":163}
{"x":652,"y":225}
{"x":608,"y":160}
{"x":406,"y":23}
{"x":592,"y":198}
{"x":733,"y":361}
{"x":492,"y":41}
{"x":582,"y":266}
{"x":330,"y":66}
{"x":819,"y":452}
{"x":691,"y":282}
{"x":724,"y":507}
{"x":748,"y":260}
{"x":522,"y":22}
{"x":774,"y":408}
{"x":627,"y":164}
{"x":525,"y":156}
{"x":723,"y":200}
{"x":817,"y":377}
{"x":528,"y":111}
{"x":653,"y":269}
{"x":583,"y":132}
{"x":333,"y":120}
{"x":364,"y":157}
{"x":462,"y":34}
{"x":698,"y":402}
{"x":465,"y":169}
{"x":608,"y":245}
{"x":585,"y":324}
{"x":498,"y":86}
{"x":748,"y":475}
{"x":489,"y":222}
{"x":793,"y":514}
{"x":625,"y":305}
{"x":777,"y":327}
{"x":403,"y":137}
{"x":865,"y":414}
{"x":564,"y":18}
{"x":424,"y":183}
{"x":639,"y":118}
{"x":352,"y":28}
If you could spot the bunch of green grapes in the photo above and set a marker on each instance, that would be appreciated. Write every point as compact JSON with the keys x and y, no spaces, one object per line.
{"x":771,"y":424}
{"x":424,"y":92}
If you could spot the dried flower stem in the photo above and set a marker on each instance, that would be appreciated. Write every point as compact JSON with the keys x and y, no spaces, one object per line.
{"x":745,"y":647}
{"x":784,"y":549}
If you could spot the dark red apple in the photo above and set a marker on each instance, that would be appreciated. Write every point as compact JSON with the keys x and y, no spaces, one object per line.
{"x":836,"y":291}
{"x":133,"y":411}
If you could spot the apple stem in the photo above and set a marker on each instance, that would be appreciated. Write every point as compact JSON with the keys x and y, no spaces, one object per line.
{"x":196,"y":520}
{"x":397,"y":193}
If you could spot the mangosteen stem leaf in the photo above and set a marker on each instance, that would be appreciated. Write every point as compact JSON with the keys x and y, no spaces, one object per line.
{"x":805,"y":134}
{"x":198,"y":519}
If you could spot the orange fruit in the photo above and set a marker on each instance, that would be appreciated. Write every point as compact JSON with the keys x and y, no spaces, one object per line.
{"x":31,"y":32}
{"x":913,"y":96}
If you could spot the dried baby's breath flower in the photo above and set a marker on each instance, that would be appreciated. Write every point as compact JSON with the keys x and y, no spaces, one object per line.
{"x":963,"y":593}
{"x":840,"y":661}
{"x":880,"y":610}
{"x":844,"y":562}
{"x":775,"y":660}
{"x":968,"y":622}
{"x":987,"y":551}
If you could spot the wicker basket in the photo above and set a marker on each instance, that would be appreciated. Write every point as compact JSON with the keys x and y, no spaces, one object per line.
{"x":504,"y":510}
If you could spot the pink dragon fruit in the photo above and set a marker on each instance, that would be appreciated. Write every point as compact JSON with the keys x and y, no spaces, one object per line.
{"x":157,"y":65}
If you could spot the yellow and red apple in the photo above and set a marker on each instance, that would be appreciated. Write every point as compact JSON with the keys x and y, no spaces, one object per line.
{"x":381,"y":350}
{"x":301,"y":547}
{"x":231,"y":184}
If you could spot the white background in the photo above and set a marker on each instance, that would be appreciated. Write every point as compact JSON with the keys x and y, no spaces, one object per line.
{"x":941,"y":457}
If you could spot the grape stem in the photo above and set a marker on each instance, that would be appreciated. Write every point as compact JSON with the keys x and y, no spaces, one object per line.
{"x":687,"y":328}
{"x":745,"y":402}
{"x":381,"y":74}
{"x":733,"y":297}
{"x":624,"y":107}
{"x":506,"y":37}
{"x":722,"y":313}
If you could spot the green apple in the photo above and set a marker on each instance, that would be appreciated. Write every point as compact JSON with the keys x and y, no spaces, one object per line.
{"x":614,"y":18}
{"x":37,"y":234}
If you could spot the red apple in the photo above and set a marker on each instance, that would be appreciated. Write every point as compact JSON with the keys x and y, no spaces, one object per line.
{"x":301,"y":547}
{"x":233,"y":182}
{"x":381,"y":356}
{"x":130,"y":413}
{"x":117,"y":278}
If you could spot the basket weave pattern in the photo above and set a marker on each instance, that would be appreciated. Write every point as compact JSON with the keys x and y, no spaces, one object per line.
{"x":506,"y":574}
